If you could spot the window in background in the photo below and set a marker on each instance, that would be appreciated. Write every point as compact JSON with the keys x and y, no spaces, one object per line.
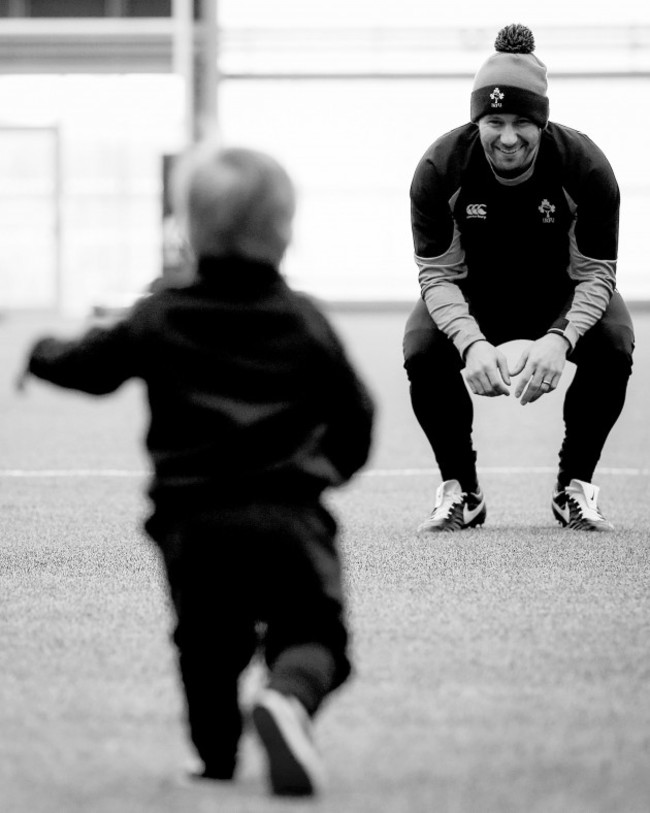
{"x":148,"y":8}
{"x":65,"y":8}
{"x":86,"y":8}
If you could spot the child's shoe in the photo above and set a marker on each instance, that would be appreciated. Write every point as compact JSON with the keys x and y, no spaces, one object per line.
{"x":284,"y":727}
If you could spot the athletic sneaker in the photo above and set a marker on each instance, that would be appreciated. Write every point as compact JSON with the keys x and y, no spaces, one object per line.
{"x":455,"y":509}
{"x":576,"y":507}
{"x":284,"y":728}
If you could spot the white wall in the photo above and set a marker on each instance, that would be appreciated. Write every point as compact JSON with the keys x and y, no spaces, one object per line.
{"x":391,"y":13}
{"x":353,"y":145}
{"x":112,"y":132}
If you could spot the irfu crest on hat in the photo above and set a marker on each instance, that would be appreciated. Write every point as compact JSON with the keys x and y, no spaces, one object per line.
{"x":496,"y":97}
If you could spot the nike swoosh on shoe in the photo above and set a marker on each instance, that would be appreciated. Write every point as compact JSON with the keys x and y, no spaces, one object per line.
{"x":563,"y":510}
{"x":470,"y":514}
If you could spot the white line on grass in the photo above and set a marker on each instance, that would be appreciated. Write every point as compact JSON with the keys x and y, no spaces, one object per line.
{"x":507,"y":470}
{"x":71,"y":473}
{"x":627,"y":472}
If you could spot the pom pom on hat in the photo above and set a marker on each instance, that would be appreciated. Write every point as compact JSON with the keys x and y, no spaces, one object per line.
{"x":515,"y":39}
{"x":512,"y":80}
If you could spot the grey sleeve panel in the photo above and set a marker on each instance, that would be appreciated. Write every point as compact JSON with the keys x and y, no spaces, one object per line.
{"x":438,"y":277}
{"x":596,"y":281}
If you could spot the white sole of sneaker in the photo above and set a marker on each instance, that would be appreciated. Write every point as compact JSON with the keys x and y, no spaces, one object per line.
{"x":294,"y":765}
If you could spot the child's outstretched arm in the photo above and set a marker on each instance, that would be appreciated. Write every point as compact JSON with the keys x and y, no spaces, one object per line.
{"x":98,"y":362}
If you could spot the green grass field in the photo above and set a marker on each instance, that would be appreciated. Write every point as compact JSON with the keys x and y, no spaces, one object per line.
{"x":503,"y":669}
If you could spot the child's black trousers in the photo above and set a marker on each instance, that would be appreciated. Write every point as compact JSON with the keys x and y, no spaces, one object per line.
{"x":232,"y":572}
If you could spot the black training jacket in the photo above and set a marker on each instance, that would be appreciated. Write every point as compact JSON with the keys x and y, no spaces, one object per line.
{"x":250,"y":391}
{"x":538,"y":252}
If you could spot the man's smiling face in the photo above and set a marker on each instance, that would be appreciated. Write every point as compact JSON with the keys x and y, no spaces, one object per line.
{"x":510,"y":141}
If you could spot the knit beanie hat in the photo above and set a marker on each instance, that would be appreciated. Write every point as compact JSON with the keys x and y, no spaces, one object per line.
{"x":512,"y":80}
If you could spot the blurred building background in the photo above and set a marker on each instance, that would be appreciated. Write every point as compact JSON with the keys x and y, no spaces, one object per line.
{"x":346,"y":93}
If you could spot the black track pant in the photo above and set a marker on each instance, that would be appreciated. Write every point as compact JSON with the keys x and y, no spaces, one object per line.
{"x":593,"y":402}
{"x":233,"y":571}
